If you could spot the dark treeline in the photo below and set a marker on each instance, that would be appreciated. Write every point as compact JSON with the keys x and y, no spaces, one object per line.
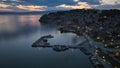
{"x":63,"y":16}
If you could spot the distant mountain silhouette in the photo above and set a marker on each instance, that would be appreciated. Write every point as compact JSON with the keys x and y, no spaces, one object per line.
{"x":24,"y":13}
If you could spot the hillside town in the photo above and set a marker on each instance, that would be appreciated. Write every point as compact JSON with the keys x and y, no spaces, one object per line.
{"x":101,"y":26}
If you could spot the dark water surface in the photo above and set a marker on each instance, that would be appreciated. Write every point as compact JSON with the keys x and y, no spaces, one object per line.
{"x":18,"y":32}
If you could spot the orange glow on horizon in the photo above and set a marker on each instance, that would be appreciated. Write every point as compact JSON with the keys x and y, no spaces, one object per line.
{"x":31,"y":20}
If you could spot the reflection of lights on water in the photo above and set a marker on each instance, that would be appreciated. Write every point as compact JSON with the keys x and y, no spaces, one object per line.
{"x":25,"y":20}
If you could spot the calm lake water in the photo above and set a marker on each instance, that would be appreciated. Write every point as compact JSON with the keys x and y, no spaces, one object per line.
{"x":18,"y":32}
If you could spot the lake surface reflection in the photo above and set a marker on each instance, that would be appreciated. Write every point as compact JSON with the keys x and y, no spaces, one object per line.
{"x":18,"y":32}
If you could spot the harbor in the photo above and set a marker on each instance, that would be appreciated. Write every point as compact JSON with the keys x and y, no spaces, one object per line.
{"x":87,"y":50}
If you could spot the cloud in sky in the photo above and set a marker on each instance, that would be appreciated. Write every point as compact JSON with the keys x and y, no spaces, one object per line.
{"x":107,"y":6}
{"x":80,"y":5}
{"x":58,"y":2}
{"x":76,"y":0}
{"x":31,"y":7}
{"x":19,"y":8}
{"x":111,"y":2}
{"x":4,"y":5}
{"x":42,"y":5}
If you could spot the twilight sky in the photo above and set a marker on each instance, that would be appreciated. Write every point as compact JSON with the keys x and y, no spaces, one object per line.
{"x":46,"y":5}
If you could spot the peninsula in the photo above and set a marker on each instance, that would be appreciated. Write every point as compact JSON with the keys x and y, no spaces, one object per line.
{"x":102,"y":26}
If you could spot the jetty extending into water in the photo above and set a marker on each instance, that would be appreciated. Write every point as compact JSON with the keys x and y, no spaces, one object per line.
{"x":43,"y":42}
